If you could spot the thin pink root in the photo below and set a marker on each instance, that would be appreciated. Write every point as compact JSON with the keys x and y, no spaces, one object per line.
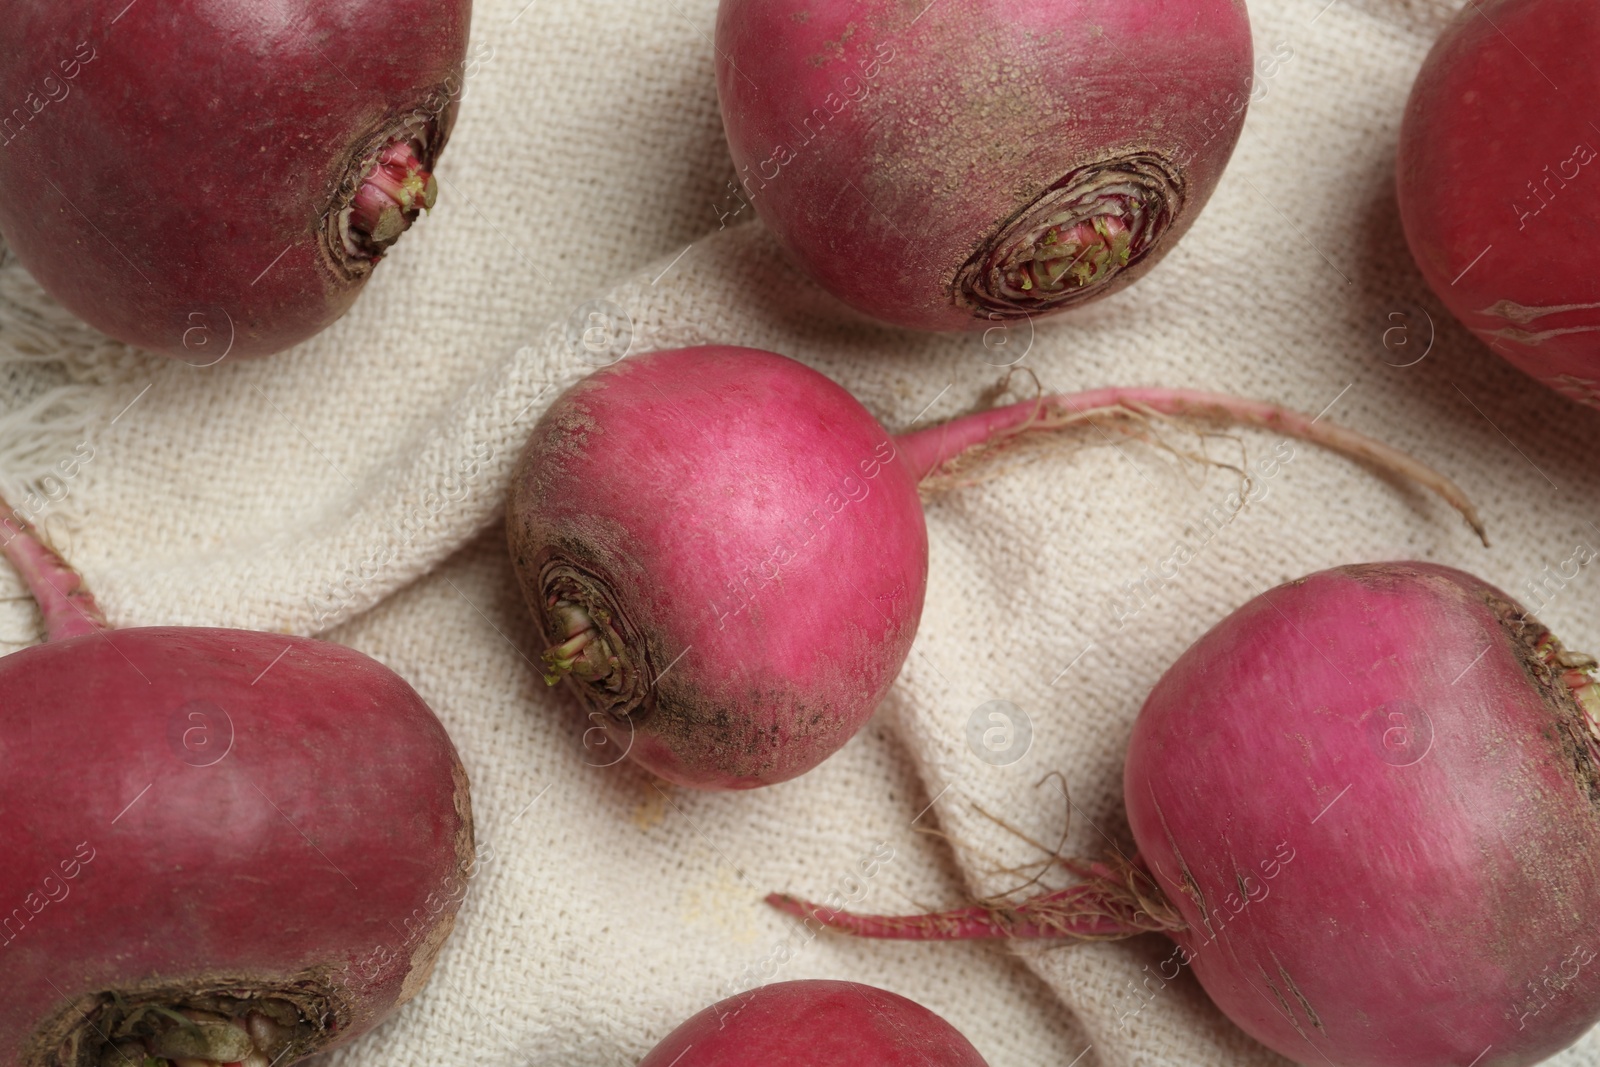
{"x":1081,"y":912}
{"x":930,"y":450}
{"x":64,"y":600}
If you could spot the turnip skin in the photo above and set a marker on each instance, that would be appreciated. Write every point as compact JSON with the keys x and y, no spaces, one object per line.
{"x":1422,"y":907}
{"x":887,"y":145}
{"x":815,"y":1023}
{"x":1498,"y":175}
{"x":247,"y":824}
{"x":751,"y":660}
{"x":182,"y":190}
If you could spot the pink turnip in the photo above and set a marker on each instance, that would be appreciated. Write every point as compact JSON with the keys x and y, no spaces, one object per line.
{"x":1367,"y":802}
{"x":1499,"y":183}
{"x":205,"y":179}
{"x":815,"y":1024}
{"x":947,"y":165}
{"x":727,"y":555}
{"x":220,"y":846}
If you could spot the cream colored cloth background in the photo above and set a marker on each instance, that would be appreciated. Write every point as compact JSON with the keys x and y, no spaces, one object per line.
{"x":353,"y":488}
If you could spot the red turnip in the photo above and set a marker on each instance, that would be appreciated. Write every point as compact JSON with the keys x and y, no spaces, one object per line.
{"x":727,"y":554}
{"x":1367,"y":802}
{"x":815,"y":1024}
{"x":1499,"y":183}
{"x":946,"y":165}
{"x":216,"y":178}
{"x":220,"y":846}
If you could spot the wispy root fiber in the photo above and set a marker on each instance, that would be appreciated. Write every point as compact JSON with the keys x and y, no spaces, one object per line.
{"x":953,"y":452}
{"x":1116,"y":899}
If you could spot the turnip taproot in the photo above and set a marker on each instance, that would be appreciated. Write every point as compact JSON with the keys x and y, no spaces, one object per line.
{"x":727,"y":553}
{"x":1499,"y":183}
{"x":943,"y":166}
{"x":1368,"y":803}
{"x":218,"y":178}
{"x":815,"y":1024}
{"x":220,"y":846}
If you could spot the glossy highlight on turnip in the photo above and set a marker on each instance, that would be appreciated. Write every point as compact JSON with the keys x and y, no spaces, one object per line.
{"x":946,"y":166}
{"x":220,"y":846}
{"x":727,"y":555}
{"x":220,"y":179}
{"x":1367,"y":810}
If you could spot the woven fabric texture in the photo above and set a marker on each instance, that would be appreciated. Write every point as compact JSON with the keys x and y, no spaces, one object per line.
{"x":353,"y":488}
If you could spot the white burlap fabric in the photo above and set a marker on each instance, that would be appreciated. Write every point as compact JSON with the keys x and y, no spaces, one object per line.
{"x":353,"y":487}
